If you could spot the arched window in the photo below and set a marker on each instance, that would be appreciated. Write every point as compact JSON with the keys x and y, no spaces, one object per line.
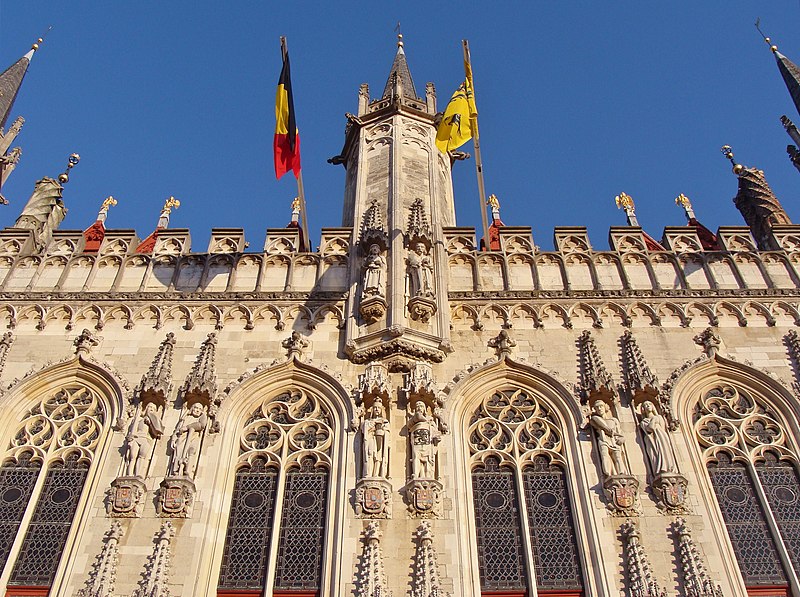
{"x":282,"y":475}
{"x":523,"y":519}
{"x":753,"y":467}
{"x":42,"y":476}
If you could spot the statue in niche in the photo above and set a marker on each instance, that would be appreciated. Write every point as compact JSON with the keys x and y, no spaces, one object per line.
{"x":420,"y":271}
{"x":374,"y":272}
{"x":424,"y":434}
{"x":610,"y":441}
{"x":375,"y":432}
{"x":656,"y":440}
{"x":185,"y":441}
{"x":145,"y":430}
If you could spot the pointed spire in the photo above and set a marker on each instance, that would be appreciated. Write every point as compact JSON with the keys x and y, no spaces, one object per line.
{"x":371,"y":576}
{"x":595,"y":380}
{"x":400,"y":83}
{"x":707,"y":238}
{"x":156,"y":384}
{"x":641,"y":580}
{"x":788,"y":69}
{"x":696,"y":581}
{"x":201,"y":384}
{"x":757,"y":203}
{"x":11,"y":81}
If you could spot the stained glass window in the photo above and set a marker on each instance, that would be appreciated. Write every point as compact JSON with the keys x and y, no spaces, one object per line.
{"x":244,"y":562}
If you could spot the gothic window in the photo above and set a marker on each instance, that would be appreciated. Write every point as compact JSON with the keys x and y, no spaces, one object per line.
{"x":522,"y":508}
{"x":748,"y":456}
{"x":56,"y":440}
{"x":283,"y":470}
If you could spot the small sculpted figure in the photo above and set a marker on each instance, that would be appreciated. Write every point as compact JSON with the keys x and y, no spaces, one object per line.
{"x":656,"y":440}
{"x":375,"y":430}
{"x":143,"y":432}
{"x":610,"y":440}
{"x":424,"y":436}
{"x":185,"y":441}
{"x":374,"y":268}
{"x":420,"y":271}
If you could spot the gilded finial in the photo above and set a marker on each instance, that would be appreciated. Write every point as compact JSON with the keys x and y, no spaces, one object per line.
{"x":170,"y":203}
{"x":103,"y":213}
{"x":399,"y":40}
{"x":625,"y":201}
{"x":72,"y":161}
{"x":296,"y":205}
{"x":767,"y":40}
{"x":684,"y":202}
{"x":40,"y":41}
{"x":727,"y":151}
{"x":493,"y":201}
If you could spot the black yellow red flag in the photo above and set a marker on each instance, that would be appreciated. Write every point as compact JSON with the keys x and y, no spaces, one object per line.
{"x":287,"y":140}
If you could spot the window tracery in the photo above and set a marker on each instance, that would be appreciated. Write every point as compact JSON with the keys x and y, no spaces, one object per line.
{"x":749,"y":455}
{"x":58,"y":439}
{"x":518,"y":474}
{"x":284,"y":459}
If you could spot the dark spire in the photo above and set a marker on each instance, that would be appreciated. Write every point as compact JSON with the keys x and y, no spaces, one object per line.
{"x":791,"y":75}
{"x":760,"y":208}
{"x":400,"y":81}
{"x":11,"y":81}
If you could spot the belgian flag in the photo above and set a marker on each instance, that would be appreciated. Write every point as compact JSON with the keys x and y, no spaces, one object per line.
{"x":287,"y":139}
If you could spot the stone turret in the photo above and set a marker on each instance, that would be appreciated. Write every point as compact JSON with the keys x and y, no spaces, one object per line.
{"x":399,"y":182}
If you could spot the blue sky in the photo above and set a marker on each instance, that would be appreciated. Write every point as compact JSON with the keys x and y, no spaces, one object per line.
{"x":578,"y":101}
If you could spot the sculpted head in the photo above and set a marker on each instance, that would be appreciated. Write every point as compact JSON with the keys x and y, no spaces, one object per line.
{"x":600,"y":408}
{"x":419,"y":408}
{"x":420,"y":249}
{"x":196,"y":410}
{"x":648,"y":408}
{"x":150,"y":408}
{"x":377,"y":409}
{"x":374,"y":250}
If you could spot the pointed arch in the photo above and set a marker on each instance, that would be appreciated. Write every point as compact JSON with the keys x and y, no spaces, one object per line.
{"x":539,"y":449}
{"x":273,"y":461}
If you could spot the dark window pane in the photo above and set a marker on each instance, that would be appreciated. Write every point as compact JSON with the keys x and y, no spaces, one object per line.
{"x":781,"y":484}
{"x":554,"y":546}
{"x":302,"y":528}
{"x":501,"y":559}
{"x":747,"y":527}
{"x":244,"y":561}
{"x":52,"y":518}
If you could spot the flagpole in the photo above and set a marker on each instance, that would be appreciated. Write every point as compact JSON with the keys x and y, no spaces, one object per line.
{"x":300,"y":190}
{"x":476,"y":140}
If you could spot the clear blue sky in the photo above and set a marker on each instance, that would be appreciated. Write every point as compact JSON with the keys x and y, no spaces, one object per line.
{"x":578,"y":101}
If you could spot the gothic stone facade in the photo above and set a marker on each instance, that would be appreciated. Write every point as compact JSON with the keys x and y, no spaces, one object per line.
{"x":399,"y":412}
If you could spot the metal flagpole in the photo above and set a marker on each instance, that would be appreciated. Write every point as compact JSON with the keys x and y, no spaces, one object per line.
{"x":476,"y":140}
{"x":300,"y":191}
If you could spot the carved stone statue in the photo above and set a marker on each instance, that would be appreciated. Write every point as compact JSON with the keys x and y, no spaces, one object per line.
{"x":424,"y":435}
{"x":185,"y":441}
{"x":420,"y":271}
{"x":44,"y":211}
{"x":374,"y":273}
{"x":144,"y":430}
{"x":656,"y":440}
{"x":610,"y":440}
{"x":375,"y":431}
